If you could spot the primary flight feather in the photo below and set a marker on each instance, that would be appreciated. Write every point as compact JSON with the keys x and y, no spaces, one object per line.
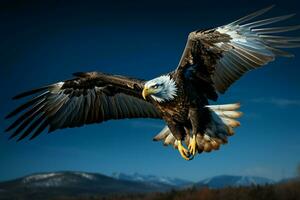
{"x":211,"y":61}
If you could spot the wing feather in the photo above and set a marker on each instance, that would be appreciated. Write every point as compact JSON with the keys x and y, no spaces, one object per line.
{"x":40,"y":129}
{"x":225,"y":53}
{"x":267,"y":21}
{"x":90,"y":98}
{"x":251,"y":16}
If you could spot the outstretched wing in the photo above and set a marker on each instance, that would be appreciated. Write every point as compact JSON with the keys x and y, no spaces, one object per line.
{"x":214,"y":59}
{"x":89,"y":98}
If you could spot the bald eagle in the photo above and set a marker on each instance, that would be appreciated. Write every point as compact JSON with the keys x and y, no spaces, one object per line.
{"x":212,"y":60}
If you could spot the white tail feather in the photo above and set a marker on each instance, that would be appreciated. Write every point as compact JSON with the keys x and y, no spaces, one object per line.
{"x":169,"y":140}
{"x":230,"y":122}
{"x":229,"y":107}
{"x":162,"y":134}
{"x":229,"y":114}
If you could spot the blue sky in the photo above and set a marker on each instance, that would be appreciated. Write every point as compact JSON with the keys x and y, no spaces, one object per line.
{"x":46,"y":42}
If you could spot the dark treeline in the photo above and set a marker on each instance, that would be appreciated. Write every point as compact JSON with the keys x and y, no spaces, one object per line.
{"x":286,"y":191}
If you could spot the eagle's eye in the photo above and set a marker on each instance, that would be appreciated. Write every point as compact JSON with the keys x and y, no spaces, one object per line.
{"x":155,"y":86}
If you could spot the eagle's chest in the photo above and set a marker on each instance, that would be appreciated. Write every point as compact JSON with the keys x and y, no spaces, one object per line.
{"x":176,"y":110}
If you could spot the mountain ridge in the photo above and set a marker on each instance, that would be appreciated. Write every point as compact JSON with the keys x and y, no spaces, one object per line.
{"x":177,"y":182}
{"x":72,"y":184}
{"x":222,"y":181}
{"x":81,"y":184}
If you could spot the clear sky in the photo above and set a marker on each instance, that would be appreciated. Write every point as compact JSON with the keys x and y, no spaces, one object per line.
{"x":42,"y":43}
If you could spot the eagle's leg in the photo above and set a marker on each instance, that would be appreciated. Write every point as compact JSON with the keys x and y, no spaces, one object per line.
{"x":191,"y":141}
{"x":179,"y":133}
{"x":193,"y":145}
{"x":199,"y":117}
{"x":183,"y":151}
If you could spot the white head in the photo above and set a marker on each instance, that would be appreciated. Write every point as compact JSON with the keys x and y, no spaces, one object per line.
{"x":161,"y":89}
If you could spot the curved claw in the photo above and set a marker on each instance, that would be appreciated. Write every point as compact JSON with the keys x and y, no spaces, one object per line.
{"x":193,"y":145}
{"x":183,"y":151}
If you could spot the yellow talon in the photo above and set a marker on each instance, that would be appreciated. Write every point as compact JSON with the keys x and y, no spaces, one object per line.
{"x":193,"y":145}
{"x":183,"y":151}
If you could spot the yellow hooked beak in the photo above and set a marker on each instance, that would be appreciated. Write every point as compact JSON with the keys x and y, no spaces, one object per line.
{"x":146,"y":92}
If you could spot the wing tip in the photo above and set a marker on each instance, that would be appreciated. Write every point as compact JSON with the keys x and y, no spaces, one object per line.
{"x":30,"y":92}
{"x":290,"y":55}
{"x":12,"y":136}
{"x":8,"y":129}
{"x":252,"y":15}
{"x":8,"y":116}
{"x":268,"y":8}
{"x":18,"y":96}
{"x":33,"y":136}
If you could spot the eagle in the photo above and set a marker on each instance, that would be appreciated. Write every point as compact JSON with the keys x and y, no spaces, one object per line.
{"x":212,"y":60}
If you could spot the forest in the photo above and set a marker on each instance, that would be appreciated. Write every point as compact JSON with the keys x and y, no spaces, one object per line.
{"x":284,"y":191}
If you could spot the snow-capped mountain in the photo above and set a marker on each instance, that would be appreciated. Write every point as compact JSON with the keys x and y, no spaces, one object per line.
{"x":76,"y":184}
{"x":56,"y":184}
{"x":233,"y":181}
{"x":155,"y":180}
{"x":59,"y":179}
